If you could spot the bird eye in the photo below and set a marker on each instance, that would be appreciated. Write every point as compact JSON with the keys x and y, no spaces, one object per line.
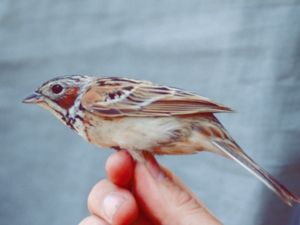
{"x":56,"y":89}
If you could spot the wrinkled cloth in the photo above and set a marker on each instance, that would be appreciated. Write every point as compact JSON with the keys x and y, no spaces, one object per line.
{"x":244,"y":54}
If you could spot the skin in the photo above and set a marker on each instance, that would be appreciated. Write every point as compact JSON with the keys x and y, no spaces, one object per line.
{"x":143,"y":194}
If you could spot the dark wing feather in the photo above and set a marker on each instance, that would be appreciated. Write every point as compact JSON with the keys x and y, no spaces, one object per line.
{"x":117,"y":97}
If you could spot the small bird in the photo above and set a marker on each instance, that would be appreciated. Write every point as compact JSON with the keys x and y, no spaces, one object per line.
{"x":145,"y":118}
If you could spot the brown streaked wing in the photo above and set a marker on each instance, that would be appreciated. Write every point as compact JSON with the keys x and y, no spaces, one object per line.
{"x":146,"y":99}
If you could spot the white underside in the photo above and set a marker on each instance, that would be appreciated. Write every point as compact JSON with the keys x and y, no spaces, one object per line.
{"x":134,"y":133}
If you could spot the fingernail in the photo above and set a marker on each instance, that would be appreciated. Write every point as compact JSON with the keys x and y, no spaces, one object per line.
{"x":153,"y":167}
{"x":111,"y":204}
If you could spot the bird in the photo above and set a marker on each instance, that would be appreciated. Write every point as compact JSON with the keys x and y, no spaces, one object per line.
{"x":145,"y":118}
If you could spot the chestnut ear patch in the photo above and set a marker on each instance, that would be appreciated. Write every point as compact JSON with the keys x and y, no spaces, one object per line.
{"x":68,"y":99}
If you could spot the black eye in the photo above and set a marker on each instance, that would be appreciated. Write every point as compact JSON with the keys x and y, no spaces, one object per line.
{"x":56,"y":89}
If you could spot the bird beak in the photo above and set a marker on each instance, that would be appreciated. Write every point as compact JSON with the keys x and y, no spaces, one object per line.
{"x":33,"y":99}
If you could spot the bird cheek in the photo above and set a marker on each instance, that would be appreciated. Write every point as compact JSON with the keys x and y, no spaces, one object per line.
{"x":67,"y":101}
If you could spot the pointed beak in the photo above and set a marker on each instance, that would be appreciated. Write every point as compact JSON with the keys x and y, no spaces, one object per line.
{"x":33,"y":99}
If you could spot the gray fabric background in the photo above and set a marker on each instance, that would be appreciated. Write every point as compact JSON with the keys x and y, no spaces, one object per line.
{"x":244,"y":54}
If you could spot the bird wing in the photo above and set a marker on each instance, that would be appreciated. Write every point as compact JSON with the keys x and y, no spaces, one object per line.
{"x":116,"y":97}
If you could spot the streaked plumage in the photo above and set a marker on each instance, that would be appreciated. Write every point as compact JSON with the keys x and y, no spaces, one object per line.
{"x":140,"y":116}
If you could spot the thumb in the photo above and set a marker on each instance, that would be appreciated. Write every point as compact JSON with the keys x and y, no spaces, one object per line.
{"x":165,"y":199}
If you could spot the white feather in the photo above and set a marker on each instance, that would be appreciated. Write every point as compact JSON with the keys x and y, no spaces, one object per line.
{"x":133,"y":133}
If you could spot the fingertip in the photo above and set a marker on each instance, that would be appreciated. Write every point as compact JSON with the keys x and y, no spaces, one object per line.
{"x":119,"y":168}
{"x":127,"y":213}
{"x":115,"y":205}
{"x":93,"y":220}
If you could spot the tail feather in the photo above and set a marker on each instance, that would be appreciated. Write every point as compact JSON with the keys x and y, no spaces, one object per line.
{"x":245,"y":161}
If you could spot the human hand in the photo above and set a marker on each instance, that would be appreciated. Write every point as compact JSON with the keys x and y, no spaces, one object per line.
{"x":143,"y":194}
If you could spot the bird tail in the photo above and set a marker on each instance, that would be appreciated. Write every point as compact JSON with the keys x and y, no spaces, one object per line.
{"x":245,"y":161}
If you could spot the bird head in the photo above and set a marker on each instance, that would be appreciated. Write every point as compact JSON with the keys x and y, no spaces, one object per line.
{"x":60,"y":94}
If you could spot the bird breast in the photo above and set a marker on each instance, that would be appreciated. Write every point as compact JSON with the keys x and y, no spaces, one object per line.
{"x":132,"y":133}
